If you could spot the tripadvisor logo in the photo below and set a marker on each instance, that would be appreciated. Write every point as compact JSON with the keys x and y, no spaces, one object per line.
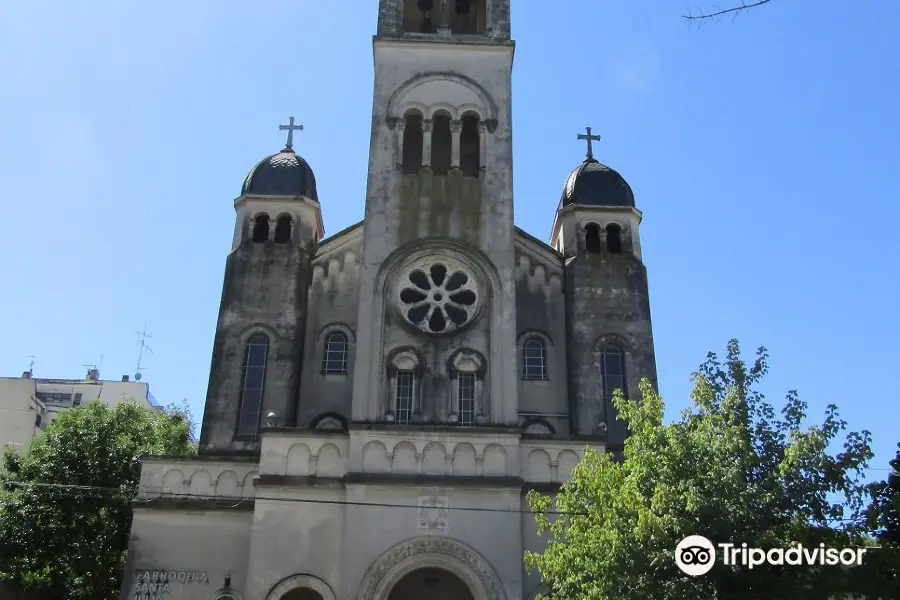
{"x":696,"y":555}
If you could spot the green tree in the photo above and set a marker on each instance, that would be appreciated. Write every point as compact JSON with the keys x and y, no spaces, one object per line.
{"x":883,"y":568}
{"x":65,"y":509}
{"x":885,"y":508}
{"x":728,"y":469}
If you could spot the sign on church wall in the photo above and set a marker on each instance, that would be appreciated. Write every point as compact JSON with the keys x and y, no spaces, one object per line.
{"x":151,"y":584}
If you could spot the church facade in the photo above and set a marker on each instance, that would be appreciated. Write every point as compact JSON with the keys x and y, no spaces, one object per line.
{"x":381,"y":400}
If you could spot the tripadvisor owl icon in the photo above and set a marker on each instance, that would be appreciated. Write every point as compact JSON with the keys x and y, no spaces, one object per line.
{"x":695,"y":555}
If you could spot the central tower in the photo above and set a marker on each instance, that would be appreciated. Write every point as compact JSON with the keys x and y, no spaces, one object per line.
{"x":436,"y":329}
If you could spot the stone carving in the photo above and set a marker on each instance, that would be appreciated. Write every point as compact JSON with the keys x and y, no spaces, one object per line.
{"x":453,"y":550}
{"x":433,"y":514}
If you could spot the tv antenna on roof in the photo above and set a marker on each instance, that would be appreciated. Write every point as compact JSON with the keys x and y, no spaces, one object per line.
{"x":94,"y":369}
{"x":143,"y":347}
{"x":31,"y":365}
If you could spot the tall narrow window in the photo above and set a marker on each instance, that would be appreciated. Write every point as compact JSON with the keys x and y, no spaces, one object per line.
{"x":283,"y":229}
{"x":534,"y":360}
{"x":441,"y":140}
{"x":592,"y":238}
{"x":255,"y":358}
{"x":467,"y":368}
{"x":405,"y":396}
{"x":613,"y":239}
{"x":469,"y":147}
{"x":612,"y":370}
{"x":335,"y":361}
{"x":466,"y":386}
{"x":261,"y":229}
{"x":412,"y":144}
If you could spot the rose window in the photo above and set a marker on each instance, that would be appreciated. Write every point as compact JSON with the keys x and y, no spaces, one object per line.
{"x":438,"y":299}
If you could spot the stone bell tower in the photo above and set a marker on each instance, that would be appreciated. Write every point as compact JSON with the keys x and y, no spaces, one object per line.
{"x":256,"y":359}
{"x":440,"y":204}
{"x":610,"y":337}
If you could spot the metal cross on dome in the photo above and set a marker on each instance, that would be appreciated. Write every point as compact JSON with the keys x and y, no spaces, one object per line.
{"x":290,"y":128}
{"x":590,"y":138}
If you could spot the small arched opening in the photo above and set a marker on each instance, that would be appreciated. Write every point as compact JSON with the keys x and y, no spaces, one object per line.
{"x":283,"y":229}
{"x":613,"y":239}
{"x":441,"y":143}
{"x":592,"y":241}
{"x":261,"y":229}
{"x":412,"y":143}
{"x":470,"y":146}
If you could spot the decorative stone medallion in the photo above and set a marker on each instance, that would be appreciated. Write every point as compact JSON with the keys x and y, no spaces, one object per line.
{"x":438,"y":296}
{"x":433,"y":514}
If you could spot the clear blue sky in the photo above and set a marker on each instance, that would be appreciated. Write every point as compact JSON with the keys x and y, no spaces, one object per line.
{"x":764,"y":153}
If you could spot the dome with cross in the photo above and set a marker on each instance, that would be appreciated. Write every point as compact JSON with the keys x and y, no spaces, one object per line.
{"x":595,"y":184}
{"x":283,"y":174}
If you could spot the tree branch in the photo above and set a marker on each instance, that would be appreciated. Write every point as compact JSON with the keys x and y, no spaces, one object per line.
{"x":734,"y":9}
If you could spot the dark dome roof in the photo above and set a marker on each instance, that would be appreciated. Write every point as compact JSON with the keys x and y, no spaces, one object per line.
{"x":282,"y":174}
{"x":596,"y":184}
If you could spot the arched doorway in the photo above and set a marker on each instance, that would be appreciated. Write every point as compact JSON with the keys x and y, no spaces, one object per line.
{"x":430,"y":557}
{"x":301,"y":587}
{"x":302,"y":594}
{"x":431,"y":584}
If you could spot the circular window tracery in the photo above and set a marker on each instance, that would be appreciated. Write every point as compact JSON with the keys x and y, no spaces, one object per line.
{"x":438,"y":298}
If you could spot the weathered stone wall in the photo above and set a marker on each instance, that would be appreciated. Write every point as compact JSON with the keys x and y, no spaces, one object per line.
{"x":201,"y":547}
{"x":333,"y":306}
{"x":264,"y":291}
{"x":540,"y":313}
{"x":606,"y":300}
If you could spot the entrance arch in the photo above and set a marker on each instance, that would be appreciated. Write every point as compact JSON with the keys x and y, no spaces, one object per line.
{"x":431,"y":557}
{"x":301,"y":587}
{"x":302,"y":594}
{"x":431,"y":583}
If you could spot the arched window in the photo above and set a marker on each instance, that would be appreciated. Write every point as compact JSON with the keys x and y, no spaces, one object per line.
{"x":467,"y":370}
{"x":469,"y":147}
{"x":335,"y":358}
{"x":412,"y":144}
{"x":283,"y":229}
{"x":613,"y":239}
{"x":466,"y":388}
{"x":406,"y":395}
{"x":612,"y":370}
{"x":592,"y":238}
{"x":261,"y":229}
{"x":255,"y":358}
{"x":441,"y":140}
{"x":404,"y":373}
{"x":534,"y":359}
